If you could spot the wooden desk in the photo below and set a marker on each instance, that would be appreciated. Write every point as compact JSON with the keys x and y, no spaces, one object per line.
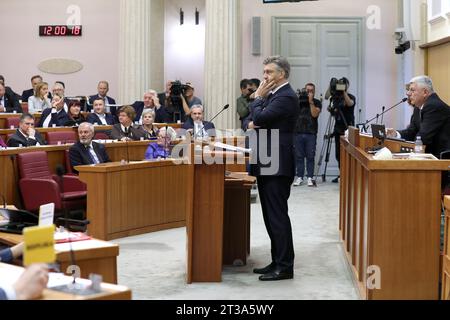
{"x":390,"y":218}
{"x":110,"y":291}
{"x":134,"y":198}
{"x":92,"y":256}
{"x":445,"y":295}
{"x":56,"y":155}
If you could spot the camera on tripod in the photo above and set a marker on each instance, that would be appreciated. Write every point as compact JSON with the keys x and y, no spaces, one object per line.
{"x":338,"y":87}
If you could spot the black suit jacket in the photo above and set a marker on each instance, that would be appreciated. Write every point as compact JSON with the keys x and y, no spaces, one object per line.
{"x":278,"y":111}
{"x":58,"y":118}
{"x":79,"y":155}
{"x":136,"y":132}
{"x":432,"y":124}
{"x":95,"y":96}
{"x":93,"y":118}
{"x":18,"y":139}
{"x":11,"y":102}
{"x":208,"y":126}
{"x":161,"y":115}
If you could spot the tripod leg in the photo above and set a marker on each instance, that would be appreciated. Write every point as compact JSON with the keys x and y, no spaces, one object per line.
{"x":328,"y":150}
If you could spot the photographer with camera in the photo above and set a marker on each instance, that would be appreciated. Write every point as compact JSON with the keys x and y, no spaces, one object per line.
{"x":175,"y":102}
{"x":306,"y":133}
{"x":342,"y":108}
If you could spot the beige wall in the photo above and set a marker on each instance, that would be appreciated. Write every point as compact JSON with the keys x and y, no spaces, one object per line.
{"x":22,"y":48}
{"x":380,"y":74}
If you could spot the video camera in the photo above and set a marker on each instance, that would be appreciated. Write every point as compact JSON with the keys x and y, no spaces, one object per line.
{"x":338,"y":87}
{"x":303,"y":97}
{"x":178,"y":88}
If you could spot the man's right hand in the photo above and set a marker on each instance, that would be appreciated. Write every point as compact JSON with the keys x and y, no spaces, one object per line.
{"x":32,"y":282}
{"x":31,"y":132}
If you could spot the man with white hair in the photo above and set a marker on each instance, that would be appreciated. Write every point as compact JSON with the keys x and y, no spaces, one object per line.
{"x":430,"y":120}
{"x":198,"y":127}
{"x":85,"y":151}
{"x":151,"y":101}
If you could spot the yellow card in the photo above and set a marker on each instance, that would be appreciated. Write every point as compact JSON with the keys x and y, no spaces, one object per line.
{"x":39,"y":245}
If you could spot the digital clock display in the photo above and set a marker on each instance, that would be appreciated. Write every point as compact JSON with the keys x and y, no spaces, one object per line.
{"x":60,"y":31}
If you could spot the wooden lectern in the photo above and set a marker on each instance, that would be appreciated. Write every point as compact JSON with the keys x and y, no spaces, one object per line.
{"x":205,"y":218}
{"x":390,"y":220}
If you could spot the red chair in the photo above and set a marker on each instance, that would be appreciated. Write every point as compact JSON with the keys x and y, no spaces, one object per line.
{"x":12,"y":122}
{"x":62,"y":137}
{"x":38,"y":186}
{"x":101,"y":136}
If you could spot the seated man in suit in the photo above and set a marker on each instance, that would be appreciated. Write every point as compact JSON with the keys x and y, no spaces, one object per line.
{"x":26,"y":135}
{"x":199,"y":128}
{"x":30,"y":284}
{"x":102,"y":93}
{"x":86,"y":151}
{"x":430,"y":120}
{"x":8,"y":101}
{"x":152,"y":102}
{"x":8,"y":90}
{"x":60,"y":88}
{"x":100,"y":117}
{"x":56,"y":115}
{"x":125,"y":130}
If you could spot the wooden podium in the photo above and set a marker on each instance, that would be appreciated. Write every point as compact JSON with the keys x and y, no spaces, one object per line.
{"x":390,"y":220}
{"x":206,"y":240}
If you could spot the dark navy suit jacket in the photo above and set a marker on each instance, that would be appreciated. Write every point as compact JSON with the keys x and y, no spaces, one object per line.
{"x":58,"y":118}
{"x":19,"y":139}
{"x":11,"y":102}
{"x":93,"y":118}
{"x":278,"y":111}
{"x":208,"y":126}
{"x":432,"y":124}
{"x":79,"y":155}
{"x":95,"y":96}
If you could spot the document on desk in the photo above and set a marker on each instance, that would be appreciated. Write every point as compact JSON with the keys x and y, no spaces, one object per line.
{"x":231,"y":148}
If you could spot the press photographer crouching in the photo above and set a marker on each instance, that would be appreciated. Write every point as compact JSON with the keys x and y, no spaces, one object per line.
{"x":342,"y":108}
{"x":175,"y":103}
{"x":306,"y":134}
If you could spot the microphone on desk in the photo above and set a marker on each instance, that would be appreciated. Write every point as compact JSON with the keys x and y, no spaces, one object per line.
{"x":382,"y":114}
{"x":378,"y":115}
{"x":127,"y":134}
{"x":225,"y":107}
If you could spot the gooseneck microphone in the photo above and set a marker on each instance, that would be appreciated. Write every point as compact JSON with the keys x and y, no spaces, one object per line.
{"x":378,"y":115}
{"x":225,"y":107}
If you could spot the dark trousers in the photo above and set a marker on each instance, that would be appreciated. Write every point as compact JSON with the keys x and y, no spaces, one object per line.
{"x":337,"y":139}
{"x":274,"y":192}
{"x":305,"y":147}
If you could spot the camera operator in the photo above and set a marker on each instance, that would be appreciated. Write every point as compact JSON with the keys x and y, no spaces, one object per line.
{"x":175,"y":102}
{"x":342,"y":107}
{"x":306,"y":134}
{"x":246,"y":97}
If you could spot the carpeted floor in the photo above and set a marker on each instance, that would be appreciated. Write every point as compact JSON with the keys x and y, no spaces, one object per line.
{"x":153,"y":265}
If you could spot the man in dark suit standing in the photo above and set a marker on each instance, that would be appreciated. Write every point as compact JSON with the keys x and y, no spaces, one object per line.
{"x":273,"y":116}
{"x":26,"y":135}
{"x":8,"y":100}
{"x":85,"y":151}
{"x":430,"y":120}
{"x":198,"y":127}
